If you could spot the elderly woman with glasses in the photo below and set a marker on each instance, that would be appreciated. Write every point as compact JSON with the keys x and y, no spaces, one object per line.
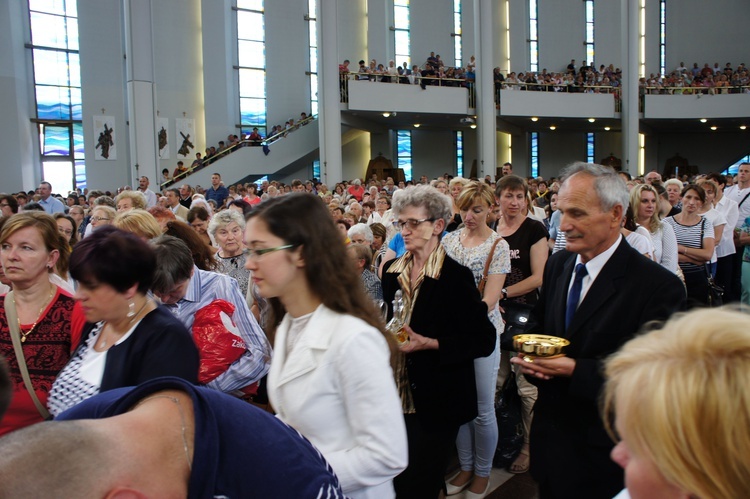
{"x":439,"y":357}
{"x":226,"y":228}
{"x":102,"y":215}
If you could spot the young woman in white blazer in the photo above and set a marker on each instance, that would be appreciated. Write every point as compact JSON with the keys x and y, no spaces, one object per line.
{"x":331,"y":376}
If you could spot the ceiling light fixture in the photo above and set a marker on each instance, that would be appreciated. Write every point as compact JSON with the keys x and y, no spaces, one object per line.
{"x":473,"y":126}
{"x":553,"y":127}
{"x":714,"y":127}
{"x":606,"y":129}
{"x":591,"y":120}
{"x":742,"y":127}
{"x":386,"y":115}
{"x":534,"y":118}
{"x":416,"y":125}
{"x":703,"y":120}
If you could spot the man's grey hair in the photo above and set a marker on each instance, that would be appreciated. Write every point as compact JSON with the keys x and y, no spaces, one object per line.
{"x":609,"y":186}
{"x":363,"y":229}
{"x":174,"y":263}
{"x":437,"y":204}
{"x":222,"y":219}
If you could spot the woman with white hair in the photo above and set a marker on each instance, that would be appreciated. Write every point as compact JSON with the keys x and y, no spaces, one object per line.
{"x":356,"y":190}
{"x":360,"y":234}
{"x":200,"y":200}
{"x":226,"y":229}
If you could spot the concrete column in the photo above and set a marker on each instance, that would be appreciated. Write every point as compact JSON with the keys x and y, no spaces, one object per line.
{"x":629,"y":9}
{"x":485,"y":88}
{"x":18,"y":135}
{"x":139,"y":51}
{"x":329,"y":110}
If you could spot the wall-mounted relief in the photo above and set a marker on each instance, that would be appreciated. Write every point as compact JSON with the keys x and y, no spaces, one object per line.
{"x":104,"y":138}
{"x":162,"y":137}
{"x":185,"y":135}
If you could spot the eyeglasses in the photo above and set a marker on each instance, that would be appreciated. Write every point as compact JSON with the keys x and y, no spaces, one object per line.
{"x":99,"y":219}
{"x":257,"y":253}
{"x":410,"y":223}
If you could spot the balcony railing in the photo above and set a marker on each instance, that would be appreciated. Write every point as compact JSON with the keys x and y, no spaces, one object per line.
{"x":229,"y":150}
{"x":554,"y":87}
{"x":690,"y":90}
{"x":412,"y":79}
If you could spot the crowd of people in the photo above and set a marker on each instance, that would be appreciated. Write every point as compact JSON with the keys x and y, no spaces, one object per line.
{"x":274,"y":297}
{"x":699,"y":80}
{"x":586,"y":78}
{"x":233,"y":142}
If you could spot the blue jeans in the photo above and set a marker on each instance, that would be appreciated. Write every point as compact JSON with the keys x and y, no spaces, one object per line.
{"x":477,"y":439}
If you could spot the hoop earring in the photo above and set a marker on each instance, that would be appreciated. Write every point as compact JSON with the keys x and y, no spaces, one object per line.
{"x":131,"y":309}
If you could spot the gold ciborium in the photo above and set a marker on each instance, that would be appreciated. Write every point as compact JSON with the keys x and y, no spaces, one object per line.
{"x":539,"y":345}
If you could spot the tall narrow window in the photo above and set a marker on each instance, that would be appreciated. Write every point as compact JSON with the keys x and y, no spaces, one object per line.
{"x":534,"y":154}
{"x":590,"y":32}
{"x":57,"y":89}
{"x":251,"y":59}
{"x":316,"y":169}
{"x":459,"y":153}
{"x":641,"y":154}
{"x":533,"y":35}
{"x":404,"y":152}
{"x":457,"y":33}
{"x":642,"y":39}
{"x":401,"y":31}
{"x":590,"y":148}
{"x":313,"y":72}
{"x":663,"y":37}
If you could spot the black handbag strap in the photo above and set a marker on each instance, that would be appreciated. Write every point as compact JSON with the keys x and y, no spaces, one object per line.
{"x":743,"y":199}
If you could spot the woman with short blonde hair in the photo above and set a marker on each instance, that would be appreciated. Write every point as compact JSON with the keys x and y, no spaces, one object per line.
{"x":682,"y":407}
{"x":139,"y":222}
{"x":130,"y":200}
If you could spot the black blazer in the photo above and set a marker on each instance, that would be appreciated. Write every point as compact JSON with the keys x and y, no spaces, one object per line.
{"x":159,"y":346}
{"x":451,"y":310}
{"x":570,"y":448}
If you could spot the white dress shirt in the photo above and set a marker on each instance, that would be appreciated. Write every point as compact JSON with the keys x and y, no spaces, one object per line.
{"x":593,"y":267}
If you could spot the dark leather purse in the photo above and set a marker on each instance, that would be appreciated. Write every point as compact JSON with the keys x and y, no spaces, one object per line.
{"x":516,"y":317}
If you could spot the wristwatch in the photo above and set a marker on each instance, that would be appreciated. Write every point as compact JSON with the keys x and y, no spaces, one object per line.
{"x":505,"y":293}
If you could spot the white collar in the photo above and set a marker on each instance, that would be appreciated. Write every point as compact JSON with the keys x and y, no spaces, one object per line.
{"x":596,"y":264}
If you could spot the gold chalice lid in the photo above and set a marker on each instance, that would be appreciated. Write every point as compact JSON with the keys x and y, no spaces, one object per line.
{"x":539,"y":345}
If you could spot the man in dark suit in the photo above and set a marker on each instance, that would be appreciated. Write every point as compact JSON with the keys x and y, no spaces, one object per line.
{"x":597,"y":294}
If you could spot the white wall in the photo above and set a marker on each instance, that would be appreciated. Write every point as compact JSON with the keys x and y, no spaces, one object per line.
{"x":707,"y":32}
{"x":431,"y":26}
{"x":607,"y":29}
{"x":352,"y":31}
{"x":526,"y":103}
{"x":179,"y":86}
{"x":556,"y":49}
{"x":519,"y":34}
